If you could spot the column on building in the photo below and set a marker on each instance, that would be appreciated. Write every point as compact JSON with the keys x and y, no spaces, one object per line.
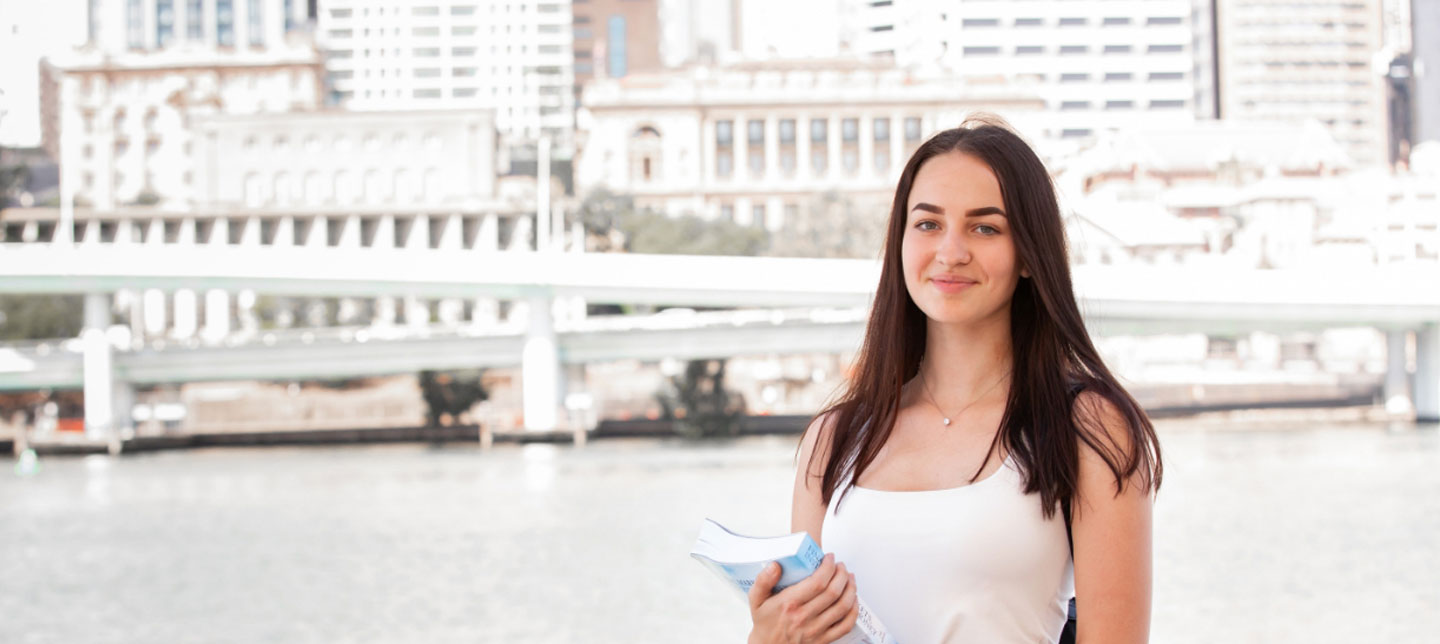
{"x":866,"y":127}
{"x":153,"y":303}
{"x":284,"y":231}
{"x":834,"y":144}
{"x":772,"y":149}
{"x":1427,"y":373}
{"x":107,"y":400}
{"x":487,"y":239}
{"x":803,"y":170}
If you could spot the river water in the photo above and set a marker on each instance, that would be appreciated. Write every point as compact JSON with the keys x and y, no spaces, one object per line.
{"x":1265,"y":531}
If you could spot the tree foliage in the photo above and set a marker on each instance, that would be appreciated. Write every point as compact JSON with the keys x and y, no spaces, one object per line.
{"x":698,"y":403}
{"x":614,"y":223}
{"x":451,"y":393}
{"x":833,"y":225}
{"x":41,"y":317}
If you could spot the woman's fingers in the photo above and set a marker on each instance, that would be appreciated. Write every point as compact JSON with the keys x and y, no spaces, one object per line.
{"x":846,"y":623}
{"x":830,"y":595}
{"x":764,"y":585}
{"x":837,"y":611}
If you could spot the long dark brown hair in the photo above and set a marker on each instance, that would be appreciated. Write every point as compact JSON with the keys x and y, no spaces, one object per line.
{"x":1052,"y":352}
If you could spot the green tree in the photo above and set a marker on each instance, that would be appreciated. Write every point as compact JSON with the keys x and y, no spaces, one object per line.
{"x":451,"y":393}
{"x":833,"y":225}
{"x":698,"y":403}
{"x":40,"y":317}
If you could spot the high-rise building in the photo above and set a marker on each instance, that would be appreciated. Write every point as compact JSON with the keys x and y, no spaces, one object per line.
{"x":1425,"y":39}
{"x":515,"y":57}
{"x":149,"y":25}
{"x":614,"y":38}
{"x":1098,"y":64}
{"x":1288,"y":61}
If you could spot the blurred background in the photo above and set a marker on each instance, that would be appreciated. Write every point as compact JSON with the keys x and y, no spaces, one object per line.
{"x":448,"y":320}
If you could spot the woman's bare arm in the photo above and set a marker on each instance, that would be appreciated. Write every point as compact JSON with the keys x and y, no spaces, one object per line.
{"x":807,"y":506}
{"x":1112,"y":534}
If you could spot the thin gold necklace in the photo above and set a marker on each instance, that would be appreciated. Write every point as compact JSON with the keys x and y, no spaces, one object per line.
{"x":925,"y":386}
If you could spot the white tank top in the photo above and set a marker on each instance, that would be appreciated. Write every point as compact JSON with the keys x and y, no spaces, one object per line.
{"x":977,"y":563}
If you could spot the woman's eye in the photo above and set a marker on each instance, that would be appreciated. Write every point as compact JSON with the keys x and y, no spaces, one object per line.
{"x":923,"y":225}
{"x":987,"y":230}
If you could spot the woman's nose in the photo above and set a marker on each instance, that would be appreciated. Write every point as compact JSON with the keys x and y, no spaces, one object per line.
{"x":953,"y":249}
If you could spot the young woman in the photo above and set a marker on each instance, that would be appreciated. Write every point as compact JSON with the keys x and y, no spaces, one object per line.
{"x":979,"y":418}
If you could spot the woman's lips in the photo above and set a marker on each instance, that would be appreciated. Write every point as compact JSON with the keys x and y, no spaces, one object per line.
{"x":951,"y":286}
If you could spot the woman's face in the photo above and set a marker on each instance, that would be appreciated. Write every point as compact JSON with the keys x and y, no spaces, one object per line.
{"x":957,"y":253}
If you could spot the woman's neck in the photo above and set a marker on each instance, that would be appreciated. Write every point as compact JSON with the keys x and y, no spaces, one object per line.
{"x":965,"y":363}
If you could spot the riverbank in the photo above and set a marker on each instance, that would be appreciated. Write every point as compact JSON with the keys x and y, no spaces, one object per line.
{"x":1358,"y":407}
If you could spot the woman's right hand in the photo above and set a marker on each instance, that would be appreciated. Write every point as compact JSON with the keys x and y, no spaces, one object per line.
{"x":819,"y":610}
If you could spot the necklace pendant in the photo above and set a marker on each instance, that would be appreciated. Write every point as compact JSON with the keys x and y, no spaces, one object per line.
{"x":947,"y":422}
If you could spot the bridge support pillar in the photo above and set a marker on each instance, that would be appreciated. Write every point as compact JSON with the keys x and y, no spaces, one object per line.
{"x":1397,"y":377}
{"x":1427,"y":373}
{"x":217,"y":315}
{"x":540,"y":367}
{"x":107,"y":401}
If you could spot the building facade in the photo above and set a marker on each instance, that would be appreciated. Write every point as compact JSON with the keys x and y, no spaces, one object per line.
{"x":515,"y":57}
{"x":1097,"y":64}
{"x":1286,"y":61}
{"x":120,"y":124}
{"x":616,"y":37}
{"x":752,"y":142}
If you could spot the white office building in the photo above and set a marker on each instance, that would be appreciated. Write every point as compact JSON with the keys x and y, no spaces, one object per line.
{"x":514,"y":57}
{"x":1098,"y":64}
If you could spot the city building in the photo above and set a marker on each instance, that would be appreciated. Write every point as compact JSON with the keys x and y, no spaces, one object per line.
{"x":616,"y":37}
{"x":754,"y":142}
{"x":1425,"y":39}
{"x":1097,"y":64}
{"x":515,"y":57}
{"x":1288,"y":62}
{"x":120,"y":124}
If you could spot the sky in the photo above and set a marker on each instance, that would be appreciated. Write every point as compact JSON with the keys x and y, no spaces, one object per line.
{"x":30,"y":30}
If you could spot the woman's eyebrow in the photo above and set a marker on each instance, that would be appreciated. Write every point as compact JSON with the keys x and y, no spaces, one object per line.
{"x":973,"y":212}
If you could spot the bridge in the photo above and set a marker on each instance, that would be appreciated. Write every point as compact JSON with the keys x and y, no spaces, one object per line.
{"x":793,"y":305}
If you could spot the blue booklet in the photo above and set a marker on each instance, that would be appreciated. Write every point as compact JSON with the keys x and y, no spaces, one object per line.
{"x":738,"y":559}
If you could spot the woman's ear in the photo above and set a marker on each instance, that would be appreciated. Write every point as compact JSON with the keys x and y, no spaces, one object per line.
{"x":1024,"y":272}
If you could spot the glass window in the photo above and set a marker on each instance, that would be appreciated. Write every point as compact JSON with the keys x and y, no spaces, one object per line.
{"x":1115,"y":77}
{"x":225,"y":22}
{"x":1074,"y":105}
{"x":818,"y":160}
{"x":882,"y":159}
{"x":1029,"y":22}
{"x":1074,"y":77}
{"x":255,"y":20}
{"x":1163,"y":20}
{"x":194,"y":19}
{"x":1116,"y":21}
{"x":757,"y":214}
{"x":817,"y":130}
{"x":1166,"y":104}
{"x":1117,"y":49}
{"x":850,"y":130}
{"x":724,"y":132}
{"x":1070,"y":50}
{"x":615,"y":40}
{"x":981,"y":51}
{"x":969,"y":23}
{"x":755,"y":132}
{"x":1029,"y":50}
{"x":756,"y":160}
{"x":882,"y":129}
{"x":1119,"y":105}
{"x":1165,"y":49}
{"x":787,"y":130}
{"x":134,"y":24}
{"x":912,"y":128}
{"x":1074,"y":22}
{"x":851,"y":160}
{"x":164,"y":22}
{"x":724,"y":164}
{"x":462,"y":10}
